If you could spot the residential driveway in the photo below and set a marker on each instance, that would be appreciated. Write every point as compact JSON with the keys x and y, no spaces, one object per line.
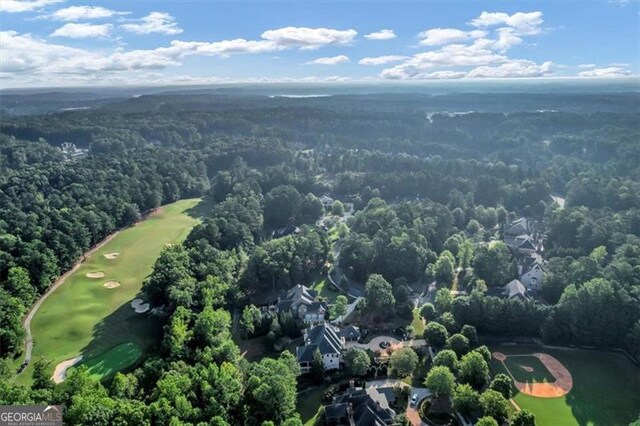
{"x":412,"y":410}
{"x":386,"y":383}
{"x":374,"y":344}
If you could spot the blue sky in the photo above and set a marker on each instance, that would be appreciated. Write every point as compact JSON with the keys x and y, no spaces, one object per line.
{"x":68,"y":43}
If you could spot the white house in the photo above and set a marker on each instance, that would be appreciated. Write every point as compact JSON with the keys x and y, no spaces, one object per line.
{"x":324,"y":338}
{"x":327,"y":202}
{"x":531,"y":275}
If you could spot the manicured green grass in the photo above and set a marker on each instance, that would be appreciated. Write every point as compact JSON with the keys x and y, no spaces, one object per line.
{"x":325,"y":289}
{"x":606,"y":388}
{"x":309,"y":404}
{"x":417,"y":323}
{"x":538,"y":375}
{"x":110,"y":362}
{"x":84,"y":317}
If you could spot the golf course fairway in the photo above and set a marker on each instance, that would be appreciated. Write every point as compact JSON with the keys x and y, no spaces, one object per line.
{"x":90,"y":314}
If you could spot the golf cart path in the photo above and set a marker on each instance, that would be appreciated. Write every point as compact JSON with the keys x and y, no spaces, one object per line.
{"x":32,"y":312}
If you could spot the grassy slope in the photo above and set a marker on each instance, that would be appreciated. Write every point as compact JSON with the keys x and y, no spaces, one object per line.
{"x":84,"y":317}
{"x":606,"y":389}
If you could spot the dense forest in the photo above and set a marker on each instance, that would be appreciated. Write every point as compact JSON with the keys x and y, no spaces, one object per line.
{"x":432,"y":181}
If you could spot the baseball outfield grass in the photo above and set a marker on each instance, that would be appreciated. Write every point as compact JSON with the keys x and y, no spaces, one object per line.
{"x":85,"y":317}
{"x":606,"y":386}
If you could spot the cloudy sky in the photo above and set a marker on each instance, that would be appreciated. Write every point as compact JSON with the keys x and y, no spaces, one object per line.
{"x":69,"y":43}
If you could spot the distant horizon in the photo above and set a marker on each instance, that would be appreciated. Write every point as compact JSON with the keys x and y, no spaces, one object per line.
{"x":630,"y":82}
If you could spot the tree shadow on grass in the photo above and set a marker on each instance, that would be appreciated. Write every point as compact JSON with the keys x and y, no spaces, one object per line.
{"x":122,"y":340}
{"x":606,"y":388}
{"x":202,"y":209}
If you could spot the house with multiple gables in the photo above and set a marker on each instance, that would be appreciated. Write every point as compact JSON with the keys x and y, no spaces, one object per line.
{"x":326,"y":339}
{"x":304,"y":305}
{"x":361,"y":407}
{"x":527,"y":245}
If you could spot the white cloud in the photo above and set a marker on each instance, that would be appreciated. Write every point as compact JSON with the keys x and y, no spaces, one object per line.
{"x":308,"y":38}
{"x":15,"y":6}
{"x":24,"y":54}
{"x":225,"y":47}
{"x":28,"y":58}
{"x":452,"y":55}
{"x":606,"y":72}
{"x":337,"y":78}
{"x":438,"y":36}
{"x":72,"y":30}
{"x":155,"y":22}
{"x":475,"y":53}
{"x":513,"y":69}
{"x":76,"y":13}
{"x":523,"y":23}
{"x":586,"y":66}
{"x":381,"y":60}
{"x":381,"y":35}
{"x":332,"y":60}
{"x":620,"y":64}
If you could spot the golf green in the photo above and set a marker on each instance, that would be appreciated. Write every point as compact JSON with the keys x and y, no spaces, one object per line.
{"x":606,"y":386}
{"x":86,"y":317}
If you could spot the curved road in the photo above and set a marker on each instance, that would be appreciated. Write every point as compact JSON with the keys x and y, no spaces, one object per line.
{"x":28,"y":341}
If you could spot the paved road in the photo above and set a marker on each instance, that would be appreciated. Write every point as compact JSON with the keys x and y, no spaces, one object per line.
{"x":412,"y":410}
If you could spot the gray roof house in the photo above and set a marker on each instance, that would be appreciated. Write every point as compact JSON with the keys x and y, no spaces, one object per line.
{"x":517,"y":227}
{"x":303,"y":304}
{"x":324,"y":338}
{"x":515,"y":289}
{"x":351,"y":333}
{"x":521,"y":244}
{"x":360,"y":407}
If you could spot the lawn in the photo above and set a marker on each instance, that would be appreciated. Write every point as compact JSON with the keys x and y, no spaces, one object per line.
{"x":325,"y":289}
{"x":517,"y":365}
{"x":606,"y":388}
{"x":309,"y":403}
{"x":84,"y":317}
{"x":418,"y":324}
{"x":110,"y":362}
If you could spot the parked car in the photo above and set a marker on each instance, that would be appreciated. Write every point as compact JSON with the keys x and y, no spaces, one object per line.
{"x":414,"y":399}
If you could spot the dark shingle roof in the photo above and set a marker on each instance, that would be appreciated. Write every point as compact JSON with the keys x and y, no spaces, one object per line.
{"x":323,"y":337}
{"x":350,"y":332}
{"x":370,"y":407}
{"x":517,"y":227}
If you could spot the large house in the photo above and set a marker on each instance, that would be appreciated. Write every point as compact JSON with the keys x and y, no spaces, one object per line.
{"x":303,"y":303}
{"x":324,"y":338}
{"x":527,"y":247}
{"x":361,"y":407}
{"x":327,"y":202}
{"x":518,"y":227}
{"x":521,"y":244}
{"x":531,"y":271}
{"x":515,"y":289}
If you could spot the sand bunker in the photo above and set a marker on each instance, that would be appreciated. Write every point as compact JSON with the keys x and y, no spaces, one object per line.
{"x":95,"y":274}
{"x":111,"y":284}
{"x":139,"y":306}
{"x":60,"y":372}
{"x":111,"y":256}
{"x":561,"y":386}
